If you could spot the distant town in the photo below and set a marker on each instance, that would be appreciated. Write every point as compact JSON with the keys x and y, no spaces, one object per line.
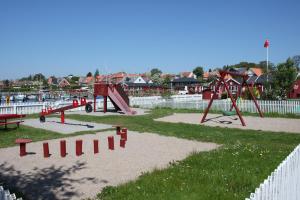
{"x":156,"y":82}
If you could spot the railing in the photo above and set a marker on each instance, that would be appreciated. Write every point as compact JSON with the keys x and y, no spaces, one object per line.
{"x":191,"y":102}
{"x":5,"y":195}
{"x":178,"y":101}
{"x":283,"y":183}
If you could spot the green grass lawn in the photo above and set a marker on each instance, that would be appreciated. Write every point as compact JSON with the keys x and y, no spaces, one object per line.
{"x":233,"y":171}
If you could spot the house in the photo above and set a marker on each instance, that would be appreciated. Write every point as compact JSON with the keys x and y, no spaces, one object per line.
{"x":137,"y":85}
{"x":85,"y":81}
{"x":62,"y":82}
{"x":190,"y":84}
{"x":295,"y":92}
{"x":187,"y":75}
{"x":234,"y":85}
{"x":1,"y":85}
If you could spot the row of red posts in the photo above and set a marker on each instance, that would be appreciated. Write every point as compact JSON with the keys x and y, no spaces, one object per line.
{"x":63,"y":150}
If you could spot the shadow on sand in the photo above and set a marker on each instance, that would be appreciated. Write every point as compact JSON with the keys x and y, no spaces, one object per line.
{"x":47,"y":183}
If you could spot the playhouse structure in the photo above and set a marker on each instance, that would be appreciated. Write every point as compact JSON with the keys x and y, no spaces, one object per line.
{"x":116,"y":94}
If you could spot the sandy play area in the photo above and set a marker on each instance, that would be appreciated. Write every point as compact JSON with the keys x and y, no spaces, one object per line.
{"x":99,"y":112}
{"x":253,"y":123}
{"x":70,"y":126}
{"x":80,"y":177}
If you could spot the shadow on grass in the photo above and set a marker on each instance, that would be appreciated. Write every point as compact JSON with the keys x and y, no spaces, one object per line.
{"x":47,"y":183}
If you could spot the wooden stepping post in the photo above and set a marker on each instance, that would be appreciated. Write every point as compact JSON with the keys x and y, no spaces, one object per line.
{"x":110,"y":142}
{"x":46,"y":150}
{"x":63,"y":149}
{"x":79,"y":148}
{"x":96,"y":146}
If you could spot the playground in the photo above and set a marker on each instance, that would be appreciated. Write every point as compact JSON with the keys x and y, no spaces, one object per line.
{"x":77,"y":177}
{"x":252,"y":122}
{"x":140,"y":155}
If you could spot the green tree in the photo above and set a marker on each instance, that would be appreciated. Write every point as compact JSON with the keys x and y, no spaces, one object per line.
{"x":157,"y":79}
{"x":283,"y":78}
{"x":263,"y":66}
{"x":155,"y":71}
{"x":89,"y":74}
{"x":96,"y":73}
{"x":39,"y":77}
{"x":198,"y":71}
{"x":167,"y":81}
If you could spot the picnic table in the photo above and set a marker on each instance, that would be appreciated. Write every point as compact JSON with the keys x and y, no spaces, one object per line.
{"x":5,"y":117}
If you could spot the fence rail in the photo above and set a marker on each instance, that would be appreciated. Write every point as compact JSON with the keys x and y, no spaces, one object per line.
{"x":282,"y":107}
{"x":283,"y":183}
{"x":177,"y":101}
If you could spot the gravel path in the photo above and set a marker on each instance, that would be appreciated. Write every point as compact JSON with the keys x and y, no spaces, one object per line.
{"x":253,"y":123}
{"x":75,"y":177}
{"x":70,"y":126}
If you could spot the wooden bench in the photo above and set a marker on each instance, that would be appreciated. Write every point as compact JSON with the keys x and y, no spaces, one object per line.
{"x":5,"y":123}
{"x":23,"y":143}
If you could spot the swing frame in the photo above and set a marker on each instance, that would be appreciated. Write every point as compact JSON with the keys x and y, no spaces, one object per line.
{"x":222,"y":80}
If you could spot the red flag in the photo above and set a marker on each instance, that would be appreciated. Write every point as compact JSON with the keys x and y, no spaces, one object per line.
{"x":267,"y":44}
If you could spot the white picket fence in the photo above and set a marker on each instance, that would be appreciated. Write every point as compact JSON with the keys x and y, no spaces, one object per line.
{"x":5,"y":195}
{"x":283,"y":183}
{"x":177,"y":101}
{"x":282,"y":107}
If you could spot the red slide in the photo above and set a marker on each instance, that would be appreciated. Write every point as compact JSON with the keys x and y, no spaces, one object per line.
{"x":119,"y":101}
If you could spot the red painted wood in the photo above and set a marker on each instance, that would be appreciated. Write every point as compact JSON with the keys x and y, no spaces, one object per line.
{"x":63,"y":148}
{"x":46,"y":150}
{"x":122,"y":143}
{"x":79,"y":147}
{"x":62,"y":117}
{"x":111,"y":142}
{"x":96,"y":146}
{"x":124,"y":134}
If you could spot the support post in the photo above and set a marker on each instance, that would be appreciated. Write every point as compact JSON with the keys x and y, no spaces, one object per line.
{"x":255,"y":102}
{"x":105,"y":104}
{"x":62,"y":117}
{"x":23,"y":149}
{"x":95,"y":97}
{"x":233,"y":102}
{"x":210,"y":102}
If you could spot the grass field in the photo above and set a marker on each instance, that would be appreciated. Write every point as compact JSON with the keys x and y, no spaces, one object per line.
{"x":231,"y":172}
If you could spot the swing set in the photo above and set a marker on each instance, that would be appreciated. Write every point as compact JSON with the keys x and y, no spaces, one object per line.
{"x":221,"y":81}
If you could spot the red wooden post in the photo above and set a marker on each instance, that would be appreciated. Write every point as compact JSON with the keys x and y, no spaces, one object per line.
{"x":118,"y":130}
{"x":95,"y":98}
{"x":105,"y":104}
{"x":96,"y":146}
{"x":23,"y":149}
{"x":255,"y":102}
{"x":210,"y":102}
{"x":78,"y":147}
{"x":62,"y":117}
{"x":124,"y":134}
{"x":122,"y":143}
{"x":63,"y":149}
{"x":233,"y":102}
{"x":46,"y":150}
{"x":110,"y":142}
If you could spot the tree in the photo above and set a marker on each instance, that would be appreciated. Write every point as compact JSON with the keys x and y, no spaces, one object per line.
{"x":89,"y":74}
{"x":296,"y":60}
{"x":166,"y":81}
{"x":6,"y":83}
{"x":96,"y":73}
{"x":198,"y":71}
{"x":283,"y":78}
{"x":263,"y":66}
{"x":155,"y":71}
{"x":157,"y":79}
{"x":39,"y":77}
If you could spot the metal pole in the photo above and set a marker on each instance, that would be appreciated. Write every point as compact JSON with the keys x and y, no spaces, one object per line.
{"x":267,"y":64}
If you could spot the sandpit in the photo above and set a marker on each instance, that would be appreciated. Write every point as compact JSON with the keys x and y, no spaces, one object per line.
{"x":252,"y":123}
{"x":80,"y":177}
{"x":70,"y":126}
{"x":99,"y":112}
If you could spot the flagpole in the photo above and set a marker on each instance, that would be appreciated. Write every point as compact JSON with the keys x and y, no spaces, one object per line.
{"x":267,"y":64}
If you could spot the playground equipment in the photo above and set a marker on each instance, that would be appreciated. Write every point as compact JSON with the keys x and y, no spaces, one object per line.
{"x":221,"y":80}
{"x":116,"y":95}
{"x":5,"y":117}
{"x":75,"y":104}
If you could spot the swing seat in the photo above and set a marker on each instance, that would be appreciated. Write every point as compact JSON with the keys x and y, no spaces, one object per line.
{"x":228,"y":113}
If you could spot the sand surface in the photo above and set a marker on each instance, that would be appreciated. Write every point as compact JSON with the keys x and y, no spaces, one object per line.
{"x":80,"y":177}
{"x":253,"y":123}
{"x":99,"y":112}
{"x":70,"y":126}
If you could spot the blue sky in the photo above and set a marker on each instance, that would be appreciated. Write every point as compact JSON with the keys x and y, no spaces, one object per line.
{"x":74,"y":37}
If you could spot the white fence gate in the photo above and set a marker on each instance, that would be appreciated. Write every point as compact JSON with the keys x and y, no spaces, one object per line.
{"x":283,"y":183}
